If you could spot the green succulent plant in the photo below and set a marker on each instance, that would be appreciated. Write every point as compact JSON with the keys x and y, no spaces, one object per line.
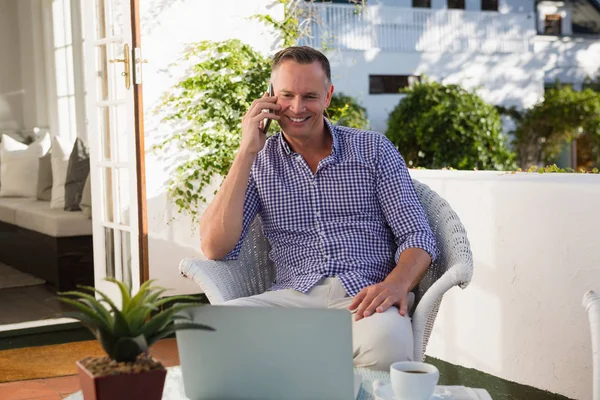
{"x":129,"y":331}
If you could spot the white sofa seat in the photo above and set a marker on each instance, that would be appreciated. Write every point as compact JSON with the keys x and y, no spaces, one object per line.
{"x":39,"y":217}
{"x":9,"y":206}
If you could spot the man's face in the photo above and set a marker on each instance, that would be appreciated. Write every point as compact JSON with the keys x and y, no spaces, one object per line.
{"x":303,"y":93}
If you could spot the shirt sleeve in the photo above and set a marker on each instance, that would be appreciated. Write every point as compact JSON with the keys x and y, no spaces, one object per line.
{"x":251,"y":209}
{"x":400,"y":204}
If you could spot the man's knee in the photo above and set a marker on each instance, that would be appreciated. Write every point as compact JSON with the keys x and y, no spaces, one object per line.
{"x":277,"y":298}
{"x":382,"y":339}
{"x":252,"y":301}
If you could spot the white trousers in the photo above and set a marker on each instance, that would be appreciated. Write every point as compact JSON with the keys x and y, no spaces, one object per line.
{"x":378,"y":340}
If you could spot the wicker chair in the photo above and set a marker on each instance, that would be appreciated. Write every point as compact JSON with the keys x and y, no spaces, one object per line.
{"x":591,"y":302}
{"x":253,"y":273}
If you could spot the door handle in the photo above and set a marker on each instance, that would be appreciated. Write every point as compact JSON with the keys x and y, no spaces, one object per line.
{"x":126,"y":60}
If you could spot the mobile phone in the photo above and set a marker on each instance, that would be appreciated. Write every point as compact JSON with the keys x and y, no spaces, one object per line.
{"x":267,"y":121}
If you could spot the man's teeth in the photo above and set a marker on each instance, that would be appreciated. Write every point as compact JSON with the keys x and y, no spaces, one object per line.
{"x":298,"y":119}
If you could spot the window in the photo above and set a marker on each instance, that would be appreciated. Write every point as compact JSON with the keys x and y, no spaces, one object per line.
{"x":489,"y":5}
{"x":421,"y":3}
{"x":390,"y":84}
{"x":63,"y":67}
{"x":65,"y":44}
{"x":456,"y":4}
{"x":553,"y":24}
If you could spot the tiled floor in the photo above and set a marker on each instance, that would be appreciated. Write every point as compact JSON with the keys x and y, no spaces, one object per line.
{"x":30,"y":303}
{"x":58,"y":388}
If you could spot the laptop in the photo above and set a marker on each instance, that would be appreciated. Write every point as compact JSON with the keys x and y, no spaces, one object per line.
{"x":268,"y":353}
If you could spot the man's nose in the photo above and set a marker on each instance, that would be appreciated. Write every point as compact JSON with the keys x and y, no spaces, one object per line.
{"x":297,"y":105}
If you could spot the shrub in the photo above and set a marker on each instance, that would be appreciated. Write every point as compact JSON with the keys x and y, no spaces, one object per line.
{"x":563,"y":114}
{"x":438,"y":126}
{"x":345,"y":110}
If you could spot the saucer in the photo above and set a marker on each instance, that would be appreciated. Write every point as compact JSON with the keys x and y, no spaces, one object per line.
{"x":385,"y":392}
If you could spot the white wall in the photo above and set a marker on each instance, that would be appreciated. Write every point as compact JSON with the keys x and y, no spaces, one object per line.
{"x":167,"y":25}
{"x":23,"y":96}
{"x":570,"y":59}
{"x":11,"y":91}
{"x":510,"y":79}
{"x":535,"y":245}
{"x":512,"y":6}
{"x":33,"y":70}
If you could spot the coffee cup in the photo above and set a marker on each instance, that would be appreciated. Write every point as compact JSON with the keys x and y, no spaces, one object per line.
{"x":413,"y":380}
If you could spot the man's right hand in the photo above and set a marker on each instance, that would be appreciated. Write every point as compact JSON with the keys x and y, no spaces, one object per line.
{"x":253,"y":138}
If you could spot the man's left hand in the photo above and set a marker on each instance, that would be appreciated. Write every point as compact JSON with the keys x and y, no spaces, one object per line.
{"x":378,"y":298}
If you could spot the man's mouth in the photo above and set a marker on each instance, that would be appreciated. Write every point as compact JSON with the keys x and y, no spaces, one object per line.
{"x":298,"y":119}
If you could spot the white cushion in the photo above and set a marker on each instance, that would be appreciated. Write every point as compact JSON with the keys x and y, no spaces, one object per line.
{"x":19,"y":166}
{"x":61,"y":151}
{"x":9,"y":207}
{"x":38,"y":216}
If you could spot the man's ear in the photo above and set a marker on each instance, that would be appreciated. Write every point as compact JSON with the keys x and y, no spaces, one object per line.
{"x":328,"y":96}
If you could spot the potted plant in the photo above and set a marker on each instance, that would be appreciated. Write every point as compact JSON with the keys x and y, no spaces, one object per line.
{"x":126,"y":334}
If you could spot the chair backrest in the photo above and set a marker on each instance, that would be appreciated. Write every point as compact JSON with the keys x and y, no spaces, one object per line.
{"x":451,"y":237}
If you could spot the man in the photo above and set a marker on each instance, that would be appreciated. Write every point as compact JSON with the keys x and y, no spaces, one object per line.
{"x":338,"y":207}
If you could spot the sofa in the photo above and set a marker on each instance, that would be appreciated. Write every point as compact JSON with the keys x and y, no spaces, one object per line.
{"x":43,"y":230}
{"x":54,"y":245}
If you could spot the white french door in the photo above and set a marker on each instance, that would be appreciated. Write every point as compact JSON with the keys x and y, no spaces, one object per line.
{"x":110,"y":109}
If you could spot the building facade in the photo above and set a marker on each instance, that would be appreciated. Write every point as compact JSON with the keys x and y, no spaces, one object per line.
{"x":506,"y":50}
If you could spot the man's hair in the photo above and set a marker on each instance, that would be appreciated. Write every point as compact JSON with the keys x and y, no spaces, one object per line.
{"x":302,"y":55}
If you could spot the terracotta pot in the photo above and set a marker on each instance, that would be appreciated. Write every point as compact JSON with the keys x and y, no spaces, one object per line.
{"x":138,"y":386}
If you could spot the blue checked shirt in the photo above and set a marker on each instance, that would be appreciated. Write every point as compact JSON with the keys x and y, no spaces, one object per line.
{"x":351,"y":219}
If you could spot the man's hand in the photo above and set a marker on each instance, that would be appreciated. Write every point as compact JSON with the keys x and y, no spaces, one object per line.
{"x":253,"y":139}
{"x":378,"y":298}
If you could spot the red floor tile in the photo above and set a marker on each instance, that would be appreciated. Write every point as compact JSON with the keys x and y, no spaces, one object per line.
{"x":64,"y":384}
{"x":26,"y":390}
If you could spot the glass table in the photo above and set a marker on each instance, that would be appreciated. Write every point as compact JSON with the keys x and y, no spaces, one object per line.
{"x":174,"y":387}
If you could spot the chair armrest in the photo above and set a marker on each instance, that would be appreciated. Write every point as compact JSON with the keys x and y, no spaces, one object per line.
{"x":227,"y":280}
{"x":426,"y":311}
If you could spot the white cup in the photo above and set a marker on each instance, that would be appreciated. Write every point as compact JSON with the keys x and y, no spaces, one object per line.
{"x":413,"y":380}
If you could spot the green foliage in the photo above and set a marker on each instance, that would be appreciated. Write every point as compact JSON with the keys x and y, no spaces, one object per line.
{"x":543,"y":130}
{"x":206,"y":108}
{"x":290,"y":28}
{"x":345,"y":110}
{"x":555,"y":169}
{"x":129,"y":331}
{"x":592,"y":82}
{"x":438,"y":125}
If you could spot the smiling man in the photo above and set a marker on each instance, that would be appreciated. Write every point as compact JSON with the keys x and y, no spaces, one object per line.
{"x":339,"y":210}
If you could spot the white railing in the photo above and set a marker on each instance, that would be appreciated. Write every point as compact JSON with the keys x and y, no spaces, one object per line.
{"x":345,"y":27}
